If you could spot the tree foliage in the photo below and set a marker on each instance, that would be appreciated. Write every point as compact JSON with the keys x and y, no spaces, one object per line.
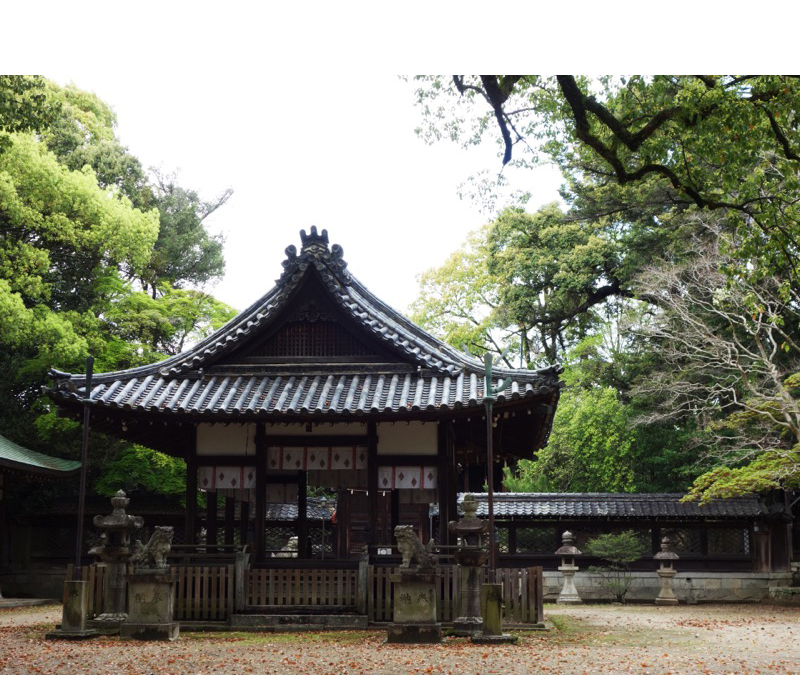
{"x":619,"y":550}
{"x":96,"y":257}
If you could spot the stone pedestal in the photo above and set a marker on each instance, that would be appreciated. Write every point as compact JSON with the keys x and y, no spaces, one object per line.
{"x":666,"y":595}
{"x":415,"y":603}
{"x":470,"y":619}
{"x":75,"y":611}
{"x":150,"y":606}
{"x":492,"y":601}
{"x":569,"y":594}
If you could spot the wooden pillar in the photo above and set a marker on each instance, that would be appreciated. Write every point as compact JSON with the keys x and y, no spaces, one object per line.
{"x":230,"y":519}
{"x":447,"y":481}
{"x":261,"y":491}
{"x":190,"y":532}
{"x":211,"y":519}
{"x":302,"y":515}
{"x":372,"y":482}
{"x":395,"y":511}
{"x":244,"y":522}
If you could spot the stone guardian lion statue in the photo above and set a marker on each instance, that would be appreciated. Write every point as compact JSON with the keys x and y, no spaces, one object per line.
{"x":412,"y":549}
{"x":154,"y":552}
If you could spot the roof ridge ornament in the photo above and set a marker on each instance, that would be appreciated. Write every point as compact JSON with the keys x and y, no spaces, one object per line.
{"x":314,"y":240}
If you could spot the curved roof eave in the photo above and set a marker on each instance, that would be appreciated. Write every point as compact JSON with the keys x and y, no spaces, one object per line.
{"x":385,"y":323}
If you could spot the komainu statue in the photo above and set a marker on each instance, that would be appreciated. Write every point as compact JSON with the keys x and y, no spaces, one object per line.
{"x":154,"y":552}
{"x":412,"y":549}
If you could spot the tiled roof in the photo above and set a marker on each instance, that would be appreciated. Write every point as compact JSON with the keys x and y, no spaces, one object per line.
{"x":15,"y":457}
{"x":430,"y":376}
{"x":614,"y":505}
{"x":289,"y":511}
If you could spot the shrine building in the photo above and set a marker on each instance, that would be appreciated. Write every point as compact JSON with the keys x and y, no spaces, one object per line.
{"x":319,"y":384}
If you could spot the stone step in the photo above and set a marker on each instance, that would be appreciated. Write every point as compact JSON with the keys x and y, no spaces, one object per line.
{"x":299,"y":622}
{"x":316,"y":610}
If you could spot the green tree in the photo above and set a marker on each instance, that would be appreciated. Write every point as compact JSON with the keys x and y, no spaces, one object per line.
{"x":723,"y":143}
{"x":619,"y":551}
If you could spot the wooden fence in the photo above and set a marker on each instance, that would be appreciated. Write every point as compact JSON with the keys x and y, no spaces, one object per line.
{"x":215,"y":592}
{"x":202,"y":593}
{"x":522,"y":594}
{"x":301,"y":587}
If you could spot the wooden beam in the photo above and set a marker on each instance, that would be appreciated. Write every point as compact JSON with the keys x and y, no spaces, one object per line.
{"x":316,"y":441}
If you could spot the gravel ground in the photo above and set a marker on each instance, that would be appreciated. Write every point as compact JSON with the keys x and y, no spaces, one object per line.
{"x":587,"y":639}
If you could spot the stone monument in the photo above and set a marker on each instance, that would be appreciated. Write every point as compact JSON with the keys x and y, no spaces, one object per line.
{"x":666,"y":574}
{"x":115,"y":552}
{"x":151,"y":589}
{"x":415,"y":592}
{"x":569,"y":594}
{"x":471,"y":556}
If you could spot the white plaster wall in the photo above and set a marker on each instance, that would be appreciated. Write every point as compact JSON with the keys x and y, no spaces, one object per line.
{"x":407,"y":438}
{"x":233,"y":439}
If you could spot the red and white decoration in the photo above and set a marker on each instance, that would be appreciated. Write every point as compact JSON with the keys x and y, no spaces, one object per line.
{"x":309,"y":459}
{"x":407,"y":477}
{"x":213,"y":478}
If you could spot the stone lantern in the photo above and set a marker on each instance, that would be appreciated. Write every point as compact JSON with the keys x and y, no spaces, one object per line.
{"x":569,"y":594}
{"x":115,"y":552}
{"x":666,"y":574}
{"x":471,"y":556}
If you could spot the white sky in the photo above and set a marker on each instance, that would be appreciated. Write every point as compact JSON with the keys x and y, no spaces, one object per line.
{"x":347,"y":161}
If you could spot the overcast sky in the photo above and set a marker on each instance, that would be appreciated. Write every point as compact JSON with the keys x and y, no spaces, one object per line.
{"x":344,"y":160}
{"x":298,"y":109}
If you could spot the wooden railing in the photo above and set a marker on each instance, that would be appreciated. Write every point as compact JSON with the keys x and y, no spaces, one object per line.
{"x":204,"y":593}
{"x":301,"y":587}
{"x":215,"y":592}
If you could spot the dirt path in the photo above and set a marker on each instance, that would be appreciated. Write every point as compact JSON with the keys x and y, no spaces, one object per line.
{"x":591,"y":639}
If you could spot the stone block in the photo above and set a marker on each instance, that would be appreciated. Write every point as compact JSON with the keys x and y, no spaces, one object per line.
{"x":414,"y":634}
{"x":415,"y":602}
{"x":149,"y":631}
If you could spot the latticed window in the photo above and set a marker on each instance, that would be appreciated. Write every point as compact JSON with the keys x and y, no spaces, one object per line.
{"x":320,"y":338}
{"x":501,"y":535}
{"x":277,"y":538}
{"x":683,"y":540}
{"x":536,"y":539}
{"x":728,"y":540}
{"x":318,"y":545}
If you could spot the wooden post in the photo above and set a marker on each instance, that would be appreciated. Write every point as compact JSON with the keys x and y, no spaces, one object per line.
{"x":446,"y":482}
{"x":372,"y":482}
{"x":190,"y":534}
{"x":244,"y":523}
{"x":302,"y":515}
{"x":230,"y":515}
{"x":261,"y":491}
{"x":211,"y":521}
